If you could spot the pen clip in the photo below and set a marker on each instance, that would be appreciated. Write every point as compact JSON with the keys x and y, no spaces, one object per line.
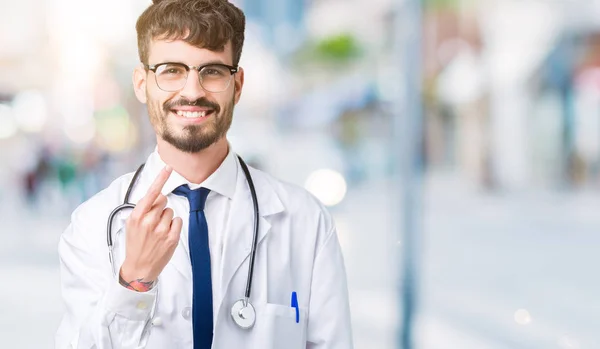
{"x":295,"y":305}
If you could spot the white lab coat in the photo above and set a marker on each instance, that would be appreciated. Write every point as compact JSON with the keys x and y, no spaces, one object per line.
{"x":298,"y":250}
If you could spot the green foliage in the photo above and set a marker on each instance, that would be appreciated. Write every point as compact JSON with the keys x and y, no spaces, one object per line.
{"x":335,"y":50}
{"x":338,"y":48}
{"x":444,"y":4}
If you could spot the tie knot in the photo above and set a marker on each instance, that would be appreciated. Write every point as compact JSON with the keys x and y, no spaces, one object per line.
{"x":196,"y":198}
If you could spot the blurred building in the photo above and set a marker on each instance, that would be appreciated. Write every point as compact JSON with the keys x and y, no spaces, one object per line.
{"x":281,"y":22}
{"x":504,"y":92}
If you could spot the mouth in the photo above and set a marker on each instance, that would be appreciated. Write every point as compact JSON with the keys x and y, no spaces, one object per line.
{"x":193,"y":113}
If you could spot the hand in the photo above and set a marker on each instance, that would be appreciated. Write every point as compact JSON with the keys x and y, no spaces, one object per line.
{"x":152,"y":236}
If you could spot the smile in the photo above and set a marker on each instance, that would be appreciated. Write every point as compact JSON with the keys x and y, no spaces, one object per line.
{"x":193,"y":114}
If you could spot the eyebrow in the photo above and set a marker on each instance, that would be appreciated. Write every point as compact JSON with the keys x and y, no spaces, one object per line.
{"x":199,"y":65}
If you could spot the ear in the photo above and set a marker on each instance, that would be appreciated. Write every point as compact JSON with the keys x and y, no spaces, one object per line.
{"x":139,"y":83}
{"x":239,"y":83}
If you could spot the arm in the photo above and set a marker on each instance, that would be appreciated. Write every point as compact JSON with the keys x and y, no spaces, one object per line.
{"x":99,"y":312}
{"x":102,"y":313}
{"x":329,"y":324}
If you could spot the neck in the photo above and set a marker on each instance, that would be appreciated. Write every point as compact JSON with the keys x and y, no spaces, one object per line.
{"x":194,"y":167}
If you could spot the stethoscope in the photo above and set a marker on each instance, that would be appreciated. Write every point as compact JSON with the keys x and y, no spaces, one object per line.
{"x":242,"y":311}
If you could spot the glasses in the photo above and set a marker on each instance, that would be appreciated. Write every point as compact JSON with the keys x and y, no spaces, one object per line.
{"x":171,"y":77}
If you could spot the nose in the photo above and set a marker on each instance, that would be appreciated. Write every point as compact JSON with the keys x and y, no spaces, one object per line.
{"x":192,"y":89}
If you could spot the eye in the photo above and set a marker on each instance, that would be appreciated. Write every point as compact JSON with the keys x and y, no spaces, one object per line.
{"x":171,"y":70}
{"x":214,"y":71}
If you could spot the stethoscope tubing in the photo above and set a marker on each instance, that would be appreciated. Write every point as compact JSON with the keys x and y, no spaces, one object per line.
{"x":256,"y":227}
{"x":127,"y":205}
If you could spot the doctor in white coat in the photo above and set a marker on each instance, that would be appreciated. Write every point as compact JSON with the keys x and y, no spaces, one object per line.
{"x":190,"y":81}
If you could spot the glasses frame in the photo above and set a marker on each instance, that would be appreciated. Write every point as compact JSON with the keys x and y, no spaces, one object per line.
{"x":198,"y":68}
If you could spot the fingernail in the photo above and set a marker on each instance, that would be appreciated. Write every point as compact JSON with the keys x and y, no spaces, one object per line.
{"x":168,"y":168}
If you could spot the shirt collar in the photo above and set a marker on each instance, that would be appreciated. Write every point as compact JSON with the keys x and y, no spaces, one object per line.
{"x":222,"y":181}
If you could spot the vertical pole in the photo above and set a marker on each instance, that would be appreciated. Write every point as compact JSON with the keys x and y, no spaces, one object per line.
{"x":408,"y":135}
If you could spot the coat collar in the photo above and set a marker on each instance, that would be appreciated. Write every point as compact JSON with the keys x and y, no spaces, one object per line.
{"x":222,"y":181}
{"x":268,"y":200}
{"x":238,"y":238}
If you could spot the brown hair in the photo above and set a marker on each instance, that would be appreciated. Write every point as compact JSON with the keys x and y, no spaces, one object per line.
{"x":206,"y":24}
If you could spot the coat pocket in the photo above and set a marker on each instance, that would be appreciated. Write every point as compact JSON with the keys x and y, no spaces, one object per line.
{"x":281,"y":329}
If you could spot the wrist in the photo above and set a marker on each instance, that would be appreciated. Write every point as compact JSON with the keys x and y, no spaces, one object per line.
{"x":135,"y":281}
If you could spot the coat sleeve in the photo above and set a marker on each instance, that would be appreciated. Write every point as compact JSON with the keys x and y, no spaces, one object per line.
{"x":329,"y":320}
{"x":99,"y":312}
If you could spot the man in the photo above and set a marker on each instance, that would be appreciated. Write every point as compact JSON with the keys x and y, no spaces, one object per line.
{"x":183,"y":254}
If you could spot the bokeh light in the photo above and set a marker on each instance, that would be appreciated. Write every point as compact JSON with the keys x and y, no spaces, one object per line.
{"x":116,"y":133}
{"x":522,"y":317}
{"x":8,"y":126}
{"x":30,"y":111}
{"x":327,"y":185}
{"x":81,"y":133}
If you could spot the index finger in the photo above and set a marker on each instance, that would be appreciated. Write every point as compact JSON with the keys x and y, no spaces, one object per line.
{"x":146,"y":202}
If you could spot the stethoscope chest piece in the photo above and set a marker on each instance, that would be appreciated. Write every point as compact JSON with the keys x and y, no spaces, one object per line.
{"x":242,"y":311}
{"x":243,"y":314}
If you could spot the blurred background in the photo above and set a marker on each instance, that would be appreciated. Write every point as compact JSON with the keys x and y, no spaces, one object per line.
{"x":456,"y":142}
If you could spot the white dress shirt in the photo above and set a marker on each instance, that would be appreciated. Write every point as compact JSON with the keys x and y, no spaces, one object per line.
{"x":222,"y":184}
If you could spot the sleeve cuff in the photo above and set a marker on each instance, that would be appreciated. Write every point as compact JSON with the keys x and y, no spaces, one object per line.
{"x":130,"y":304}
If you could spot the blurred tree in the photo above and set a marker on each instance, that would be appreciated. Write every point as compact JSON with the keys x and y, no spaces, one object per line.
{"x":337,"y":49}
{"x":446,"y":4}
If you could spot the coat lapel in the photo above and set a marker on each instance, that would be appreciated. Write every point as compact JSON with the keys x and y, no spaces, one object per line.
{"x":181,"y":259}
{"x":238,"y":244}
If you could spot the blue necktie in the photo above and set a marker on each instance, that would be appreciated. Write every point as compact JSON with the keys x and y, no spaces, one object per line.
{"x":202,"y":302}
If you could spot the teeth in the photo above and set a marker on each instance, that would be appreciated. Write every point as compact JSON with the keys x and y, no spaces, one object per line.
{"x":190,"y":114}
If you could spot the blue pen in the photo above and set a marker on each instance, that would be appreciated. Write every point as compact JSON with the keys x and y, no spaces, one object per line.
{"x":295,"y":305}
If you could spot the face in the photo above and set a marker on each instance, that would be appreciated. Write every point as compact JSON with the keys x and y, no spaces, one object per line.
{"x":192,"y":118}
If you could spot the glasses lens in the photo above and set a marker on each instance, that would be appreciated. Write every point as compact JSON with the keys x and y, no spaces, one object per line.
{"x":171,"y":76}
{"x":215,"y":78}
